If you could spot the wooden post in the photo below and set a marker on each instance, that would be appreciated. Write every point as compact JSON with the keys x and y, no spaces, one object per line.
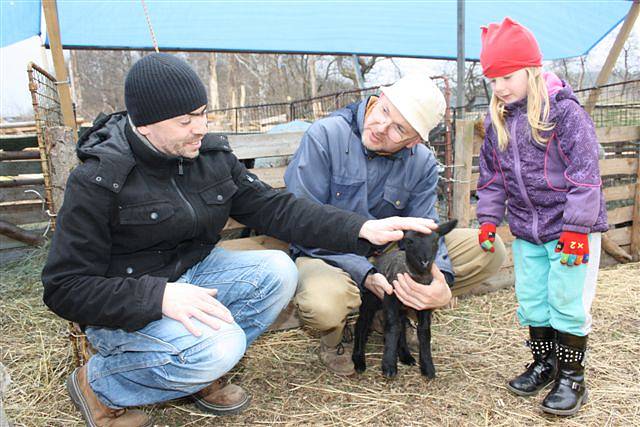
{"x":61,"y":147}
{"x":635,"y":227}
{"x":16,"y":233}
{"x":62,"y":77}
{"x":462,"y":171}
{"x":605,"y":72}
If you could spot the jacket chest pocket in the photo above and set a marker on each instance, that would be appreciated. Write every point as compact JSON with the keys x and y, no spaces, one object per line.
{"x":148,"y":213}
{"x":396,"y":197}
{"x":346,"y":194}
{"x":219,"y":193}
{"x":217,"y":199}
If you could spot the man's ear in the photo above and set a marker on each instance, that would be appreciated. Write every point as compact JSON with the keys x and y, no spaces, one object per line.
{"x":446,"y":227}
{"x":143,"y":130}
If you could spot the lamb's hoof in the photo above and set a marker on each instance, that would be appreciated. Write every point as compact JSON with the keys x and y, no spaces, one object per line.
{"x":359,"y":364}
{"x":389,"y":371}
{"x":429,"y":371}
{"x":407,"y":359}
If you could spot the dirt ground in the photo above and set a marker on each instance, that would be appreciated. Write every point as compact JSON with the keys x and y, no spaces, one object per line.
{"x":477,"y":347}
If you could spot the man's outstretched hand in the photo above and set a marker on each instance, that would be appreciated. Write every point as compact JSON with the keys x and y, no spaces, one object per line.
{"x":383,"y":231}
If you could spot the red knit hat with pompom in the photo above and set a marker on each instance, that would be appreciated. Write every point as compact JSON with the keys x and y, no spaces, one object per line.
{"x":508,"y":47}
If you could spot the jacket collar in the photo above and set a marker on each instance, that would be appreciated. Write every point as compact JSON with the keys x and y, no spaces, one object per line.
{"x":155,"y":162}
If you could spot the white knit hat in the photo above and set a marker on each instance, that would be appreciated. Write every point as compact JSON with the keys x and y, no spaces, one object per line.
{"x":419,"y":101}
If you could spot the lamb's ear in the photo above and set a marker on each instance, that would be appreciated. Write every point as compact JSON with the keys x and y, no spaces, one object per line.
{"x":446,"y":227}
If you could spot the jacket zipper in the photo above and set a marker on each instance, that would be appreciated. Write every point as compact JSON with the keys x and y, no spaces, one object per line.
{"x":192,"y":211}
{"x":523,"y":190}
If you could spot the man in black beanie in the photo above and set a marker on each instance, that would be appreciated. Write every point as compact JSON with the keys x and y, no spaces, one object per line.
{"x":134,"y":257}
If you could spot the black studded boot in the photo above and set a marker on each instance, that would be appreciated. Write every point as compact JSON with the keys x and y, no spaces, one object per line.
{"x":542,"y":371}
{"x":569,"y":392}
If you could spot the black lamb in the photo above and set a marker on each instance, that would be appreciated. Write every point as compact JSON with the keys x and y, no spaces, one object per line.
{"x":416,"y":259}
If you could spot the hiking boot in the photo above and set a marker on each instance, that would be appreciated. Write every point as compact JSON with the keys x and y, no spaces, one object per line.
{"x":569,"y":392}
{"x":221,"y":398}
{"x":337,"y":358}
{"x":94,"y":412}
{"x":542,"y":371}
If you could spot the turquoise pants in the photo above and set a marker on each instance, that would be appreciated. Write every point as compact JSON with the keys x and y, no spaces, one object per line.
{"x":552,"y":294}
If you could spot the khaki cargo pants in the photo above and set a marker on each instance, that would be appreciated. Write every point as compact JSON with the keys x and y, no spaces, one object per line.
{"x":327,"y":294}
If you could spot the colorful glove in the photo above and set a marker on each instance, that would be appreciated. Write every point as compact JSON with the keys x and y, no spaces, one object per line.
{"x":574,"y":248}
{"x":487,"y":236}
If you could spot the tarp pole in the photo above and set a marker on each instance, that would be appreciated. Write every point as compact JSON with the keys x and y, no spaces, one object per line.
{"x":461,"y":59}
{"x":607,"y":68}
{"x":62,"y":78}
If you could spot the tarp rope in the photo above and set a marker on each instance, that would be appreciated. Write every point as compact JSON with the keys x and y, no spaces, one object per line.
{"x":153,"y":35}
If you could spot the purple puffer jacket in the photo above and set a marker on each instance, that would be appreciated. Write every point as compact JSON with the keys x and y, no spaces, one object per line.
{"x":547,"y":188}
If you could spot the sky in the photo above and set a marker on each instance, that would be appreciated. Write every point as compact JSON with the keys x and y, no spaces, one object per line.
{"x":15,"y":99}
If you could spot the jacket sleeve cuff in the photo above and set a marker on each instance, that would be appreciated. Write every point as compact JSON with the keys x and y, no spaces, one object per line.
{"x":449,"y":278}
{"x":150,"y":302}
{"x":488,"y":218}
{"x":360,"y":246}
{"x":360,"y":282}
{"x":576,"y":228}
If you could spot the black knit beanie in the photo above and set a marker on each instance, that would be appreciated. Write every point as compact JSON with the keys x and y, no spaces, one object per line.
{"x":161,"y":86}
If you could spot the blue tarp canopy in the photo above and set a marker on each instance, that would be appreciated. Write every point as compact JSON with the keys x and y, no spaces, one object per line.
{"x":20,"y":20}
{"x":423,"y":29}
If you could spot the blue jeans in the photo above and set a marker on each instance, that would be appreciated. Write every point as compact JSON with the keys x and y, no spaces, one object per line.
{"x":163,"y":361}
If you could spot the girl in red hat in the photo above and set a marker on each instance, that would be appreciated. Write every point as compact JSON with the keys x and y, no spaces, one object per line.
{"x":540,"y":161}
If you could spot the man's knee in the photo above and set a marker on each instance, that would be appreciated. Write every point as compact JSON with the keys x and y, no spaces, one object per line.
{"x":327,"y":310}
{"x":281,"y":275}
{"x":215,"y":353}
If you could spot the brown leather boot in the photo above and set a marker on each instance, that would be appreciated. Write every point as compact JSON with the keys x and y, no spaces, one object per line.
{"x":337,"y":358}
{"x":220,"y":398}
{"x":94,"y":412}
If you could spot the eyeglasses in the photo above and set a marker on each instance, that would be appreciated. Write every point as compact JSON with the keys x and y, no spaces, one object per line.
{"x":396,"y":132}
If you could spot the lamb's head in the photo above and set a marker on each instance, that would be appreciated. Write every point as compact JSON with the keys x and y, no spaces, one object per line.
{"x":421,"y":249}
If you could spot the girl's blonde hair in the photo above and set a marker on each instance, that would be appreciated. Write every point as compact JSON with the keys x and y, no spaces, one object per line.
{"x":537,"y":109}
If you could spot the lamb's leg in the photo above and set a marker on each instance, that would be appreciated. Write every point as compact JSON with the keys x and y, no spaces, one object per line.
{"x":404,"y":354}
{"x":370,"y":304}
{"x":424,"y":338}
{"x":392,"y":332}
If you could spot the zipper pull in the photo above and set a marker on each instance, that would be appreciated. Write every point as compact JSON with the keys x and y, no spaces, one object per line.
{"x":180,"y":169}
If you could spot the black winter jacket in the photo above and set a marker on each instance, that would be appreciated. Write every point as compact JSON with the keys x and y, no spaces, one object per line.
{"x":134,"y":219}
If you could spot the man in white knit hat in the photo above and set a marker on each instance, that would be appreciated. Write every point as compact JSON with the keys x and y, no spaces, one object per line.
{"x":370,"y":158}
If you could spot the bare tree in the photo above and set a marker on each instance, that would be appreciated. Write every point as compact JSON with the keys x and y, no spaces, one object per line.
{"x":214,"y":96}
{"x":346,"y":68}
{"x":474,"y":90}
{"x":266,"y":78}
{"x":100,"y":80}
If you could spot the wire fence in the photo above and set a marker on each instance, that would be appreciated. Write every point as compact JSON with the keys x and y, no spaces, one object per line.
{"x":618,"y":104}
{"x":261,"y":118}
{"x":47,"y":113}
{"x":44,"y":97}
